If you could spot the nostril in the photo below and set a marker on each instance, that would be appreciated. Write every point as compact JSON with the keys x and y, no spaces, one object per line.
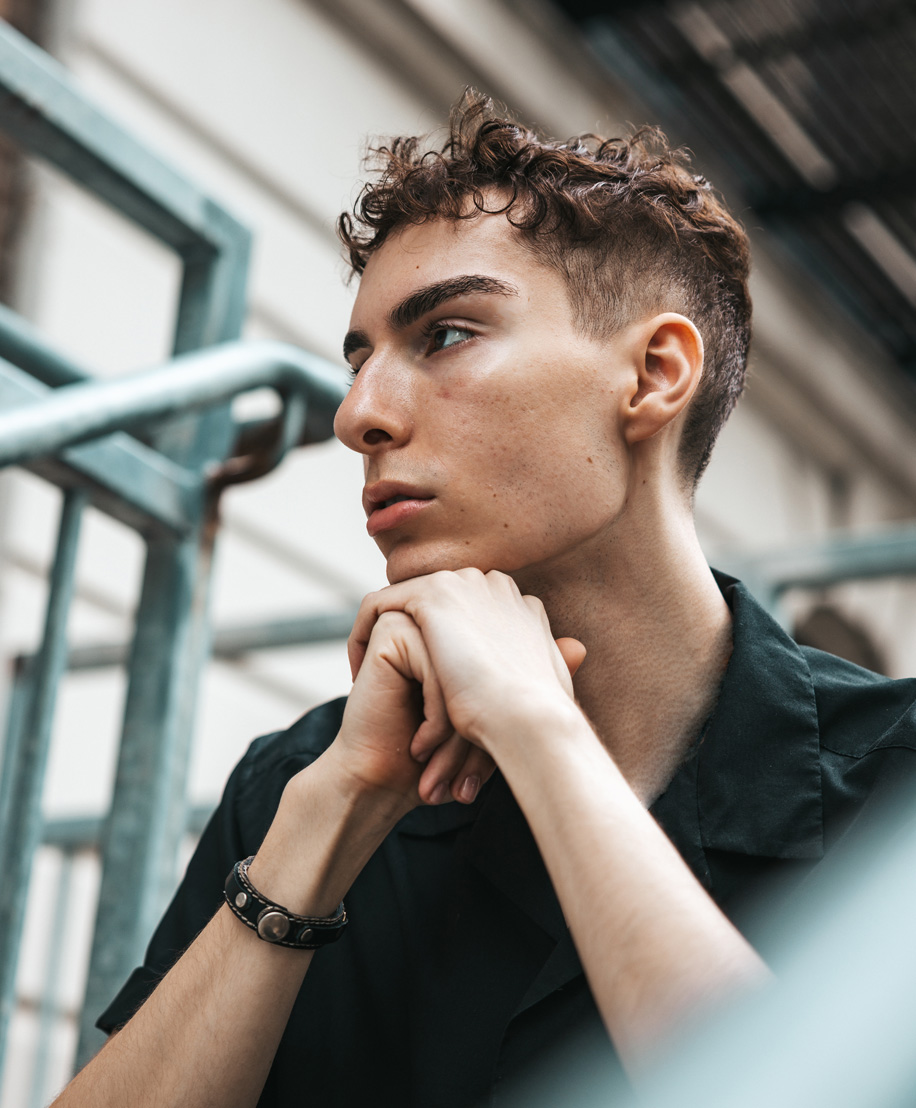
{"x":376,"y":436}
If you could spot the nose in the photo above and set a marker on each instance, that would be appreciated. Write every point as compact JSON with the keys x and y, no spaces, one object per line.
{"x":375,"y":413}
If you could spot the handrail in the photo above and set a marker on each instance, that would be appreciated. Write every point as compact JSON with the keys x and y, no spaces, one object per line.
{"x":47,"y":112}
{"x":23,"y":344}
{"x":77,"y":412}
{"x":841,"y":556}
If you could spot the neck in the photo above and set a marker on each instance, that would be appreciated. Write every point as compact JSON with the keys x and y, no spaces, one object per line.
{"x":658,"y":635}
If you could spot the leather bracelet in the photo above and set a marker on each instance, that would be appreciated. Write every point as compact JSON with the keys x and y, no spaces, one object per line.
{"x":275,"y":924}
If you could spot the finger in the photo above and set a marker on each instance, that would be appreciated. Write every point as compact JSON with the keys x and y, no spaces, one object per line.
{"x":406,"y":596}
{"x":436,"y":727}
{"x":439,"y":772}
{"x":566,"y":654}
{"x":476,"y":771}
{"x":394,"y":598}
{"x":433,"y":732}
{"x":361,"y":632}
{"x":403,"y":647}
{"x":573,"y":653}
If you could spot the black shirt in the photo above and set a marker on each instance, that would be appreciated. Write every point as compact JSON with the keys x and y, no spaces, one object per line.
{"x":457,"y":980}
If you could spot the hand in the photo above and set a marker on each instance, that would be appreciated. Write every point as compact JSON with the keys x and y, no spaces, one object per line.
{"x":491,"y":649}
{"x":396,"y":708}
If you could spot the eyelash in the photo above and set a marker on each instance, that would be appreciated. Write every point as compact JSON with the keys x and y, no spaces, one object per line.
{"x":444,"y":325}
{"x":427,"y":333}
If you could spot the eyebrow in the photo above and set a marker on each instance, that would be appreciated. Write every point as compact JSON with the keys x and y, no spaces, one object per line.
{"x":427,"y":299}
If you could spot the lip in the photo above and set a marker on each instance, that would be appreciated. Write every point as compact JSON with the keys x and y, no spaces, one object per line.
{"x":394,"y":515}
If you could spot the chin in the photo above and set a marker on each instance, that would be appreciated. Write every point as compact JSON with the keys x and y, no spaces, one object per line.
{"x":405,"y":569}
{"x":403,"y":564}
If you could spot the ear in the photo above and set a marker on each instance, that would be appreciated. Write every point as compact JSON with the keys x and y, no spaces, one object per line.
{"x":669,"y":366}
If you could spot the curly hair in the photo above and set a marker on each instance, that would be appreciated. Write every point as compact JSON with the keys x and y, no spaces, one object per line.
{"x":624,"y":220}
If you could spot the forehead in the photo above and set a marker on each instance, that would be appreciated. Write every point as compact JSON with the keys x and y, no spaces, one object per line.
{"x":424,"y":254}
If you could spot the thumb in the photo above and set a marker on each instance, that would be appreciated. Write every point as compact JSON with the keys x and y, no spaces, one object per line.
{"x":573,"y":653}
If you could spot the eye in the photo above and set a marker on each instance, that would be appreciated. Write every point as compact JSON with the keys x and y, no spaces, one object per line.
{"x":443,"y":335}
{"x":353,"y":368}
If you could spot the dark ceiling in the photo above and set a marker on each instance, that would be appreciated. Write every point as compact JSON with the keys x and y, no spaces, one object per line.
{"x":810,"y":108}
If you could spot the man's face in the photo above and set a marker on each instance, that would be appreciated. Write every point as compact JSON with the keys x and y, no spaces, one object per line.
{"x":488,"y":423}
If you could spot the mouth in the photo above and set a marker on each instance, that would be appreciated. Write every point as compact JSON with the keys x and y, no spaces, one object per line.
{"x":389,"y":505}
{"x":384,"y":494}
{"x":397,"y":500}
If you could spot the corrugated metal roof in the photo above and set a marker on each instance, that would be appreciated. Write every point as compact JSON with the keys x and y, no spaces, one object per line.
{"x":811,"y":107}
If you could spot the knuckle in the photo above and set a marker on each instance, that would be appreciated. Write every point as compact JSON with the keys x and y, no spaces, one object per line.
{"x":390,"y":619}
{"x":469,"y":573}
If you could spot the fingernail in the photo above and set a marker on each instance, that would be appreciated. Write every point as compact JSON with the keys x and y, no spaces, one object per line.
{"x":468,"y":789}
{"x":439,"y":793}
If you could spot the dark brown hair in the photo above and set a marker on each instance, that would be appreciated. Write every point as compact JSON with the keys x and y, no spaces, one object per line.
{"x":624,"y":220}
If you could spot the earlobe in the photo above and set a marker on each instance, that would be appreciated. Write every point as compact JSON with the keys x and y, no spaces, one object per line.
{"x":669,"y":365}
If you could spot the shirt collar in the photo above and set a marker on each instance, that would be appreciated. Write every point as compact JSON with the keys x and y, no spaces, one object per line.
{"x":751,"y":784}
{"x":757,"y":772}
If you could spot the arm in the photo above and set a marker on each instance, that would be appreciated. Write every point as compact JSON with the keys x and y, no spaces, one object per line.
{"x":653,"y":944}
{"x":655,"y":947}
{"x":209,"y":1032}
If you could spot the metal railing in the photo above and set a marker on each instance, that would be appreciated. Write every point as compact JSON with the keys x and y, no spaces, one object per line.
{"x":888,"y":552}
{"x":74,"y":842}
{"x":72,"y":430}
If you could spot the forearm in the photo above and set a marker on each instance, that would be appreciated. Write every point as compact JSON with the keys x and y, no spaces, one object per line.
{"x":209,"y":1032}
{"x":653,"y":944}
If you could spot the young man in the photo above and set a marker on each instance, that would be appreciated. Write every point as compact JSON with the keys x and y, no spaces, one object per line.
{"x":545,"y":342}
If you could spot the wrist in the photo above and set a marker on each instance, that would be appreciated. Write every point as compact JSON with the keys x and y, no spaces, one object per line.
{"x":367,"y":800}
{"x":543,"y":741}
{"x":525,"y":726}
{"x":326,"y":828}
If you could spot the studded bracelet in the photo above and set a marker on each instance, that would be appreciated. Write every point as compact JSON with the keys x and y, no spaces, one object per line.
{"x":275,"y":924}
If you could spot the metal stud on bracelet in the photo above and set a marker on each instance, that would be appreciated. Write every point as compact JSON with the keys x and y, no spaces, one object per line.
{"x":275,"y":924}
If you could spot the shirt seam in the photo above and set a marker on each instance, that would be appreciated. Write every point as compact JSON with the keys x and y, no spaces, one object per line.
{"x":911,"y":747}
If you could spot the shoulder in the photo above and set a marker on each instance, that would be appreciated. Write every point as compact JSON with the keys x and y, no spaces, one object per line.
{"x":867,"y":726}
{"x":254,"y":788}
{"x":800,"y":740}
{"x":804,"y":692}
{"x":860,"y":711}
{"x":300,"y":744}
